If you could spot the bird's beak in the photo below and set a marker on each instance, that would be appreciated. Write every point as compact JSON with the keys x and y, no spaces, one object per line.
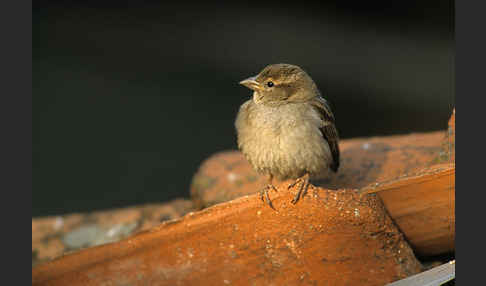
{"x":251,"y":83}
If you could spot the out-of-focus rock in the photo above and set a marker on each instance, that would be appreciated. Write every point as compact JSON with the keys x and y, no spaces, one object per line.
{"x":223,"y":177}
{"x":55,"y":236}
{"x":450,"y":140}
{"x":338,"y":237}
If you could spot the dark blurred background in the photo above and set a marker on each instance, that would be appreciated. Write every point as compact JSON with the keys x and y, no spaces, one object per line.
{"x":129,"y":98}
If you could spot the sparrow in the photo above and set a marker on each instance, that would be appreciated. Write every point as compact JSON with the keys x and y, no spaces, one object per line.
{"x":287,"y":130}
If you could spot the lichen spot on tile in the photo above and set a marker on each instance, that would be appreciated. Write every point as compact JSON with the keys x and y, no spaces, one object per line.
{"x":190,"y":253}
{"x":232,"y":177}
{"x":58,"y":223}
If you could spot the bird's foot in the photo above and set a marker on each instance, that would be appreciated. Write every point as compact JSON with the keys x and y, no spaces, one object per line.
{"x":304,"y":185}
{"x":264,"y":194}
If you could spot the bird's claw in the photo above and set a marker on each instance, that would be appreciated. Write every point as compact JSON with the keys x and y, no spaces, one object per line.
{"x":291,"y":185}
{"x":264,"y":194}
{"x":304,"y":186}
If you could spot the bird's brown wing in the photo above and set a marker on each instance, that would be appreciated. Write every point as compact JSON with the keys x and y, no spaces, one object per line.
{"x":328,"y":129}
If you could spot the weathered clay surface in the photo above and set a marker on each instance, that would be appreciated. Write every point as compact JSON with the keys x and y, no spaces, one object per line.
{"x":55,"y":236}
{"x":422,"y":202}
{"x":328,"y":238}
{"x":228,"y":175}
{"x":423,"y":207}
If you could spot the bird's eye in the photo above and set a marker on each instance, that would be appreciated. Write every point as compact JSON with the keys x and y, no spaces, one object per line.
{"x":270,"y":84}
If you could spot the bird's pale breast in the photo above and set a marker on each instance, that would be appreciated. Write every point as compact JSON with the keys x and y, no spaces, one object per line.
{"x":284,"y":140}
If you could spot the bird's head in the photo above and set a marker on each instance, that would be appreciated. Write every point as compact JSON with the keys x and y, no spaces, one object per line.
{"x":280,"y":84}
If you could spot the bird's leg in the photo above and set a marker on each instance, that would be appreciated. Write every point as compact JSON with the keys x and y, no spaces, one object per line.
{"x":304,"y":180}
{"x":264,"y":192}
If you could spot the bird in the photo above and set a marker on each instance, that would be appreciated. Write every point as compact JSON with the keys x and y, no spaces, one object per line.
{"x":287,"y":129}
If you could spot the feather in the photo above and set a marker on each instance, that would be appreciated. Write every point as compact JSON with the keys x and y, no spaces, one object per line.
{"x":328,"y":128}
